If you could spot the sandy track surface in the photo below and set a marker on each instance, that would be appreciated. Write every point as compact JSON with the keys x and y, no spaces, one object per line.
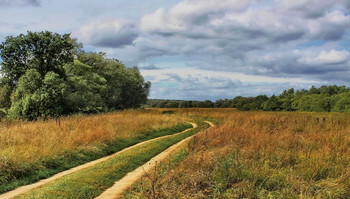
{"x":26,"y":188}
{"x":127,"y":181}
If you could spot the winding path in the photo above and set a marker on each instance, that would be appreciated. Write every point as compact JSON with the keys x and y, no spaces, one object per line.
{"x":127,"y":181}
{"x":27,"y":188}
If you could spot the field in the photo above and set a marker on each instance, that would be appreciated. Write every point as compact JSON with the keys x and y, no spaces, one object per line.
{"x":33,"y":150}
{"x":258,"y":155}
{"x":247,"y":155}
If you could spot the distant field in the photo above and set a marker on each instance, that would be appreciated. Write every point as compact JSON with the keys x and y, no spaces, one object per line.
{"x":258,"y":155}
{"x":39,"y":149}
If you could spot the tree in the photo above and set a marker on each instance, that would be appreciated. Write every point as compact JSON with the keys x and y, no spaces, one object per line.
{"x":5,"y":96}
{"x":26,"y":62}
{"x":126,"y":88}
{"x":25,"y":100}
{"x":53,"y":96}
{"x":258,"y":102}
{"x":134,"y":88}
{"x":272,"y":104}
{"x":43,"y":51}
{"x":87,"y":89}
{"x":286,"y":99}
{"x":35,"y":97}
{"x":40,"y":78}
{"x":342,"y":103}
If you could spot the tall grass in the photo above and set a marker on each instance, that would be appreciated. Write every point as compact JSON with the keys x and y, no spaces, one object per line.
{"x":28,"y":141}
{"x":92,"y":181}
{"x":265,"y":155}
{"x":33,"y":150}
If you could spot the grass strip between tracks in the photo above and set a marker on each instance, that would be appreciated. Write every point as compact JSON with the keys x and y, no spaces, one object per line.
{"x":91,"y":182}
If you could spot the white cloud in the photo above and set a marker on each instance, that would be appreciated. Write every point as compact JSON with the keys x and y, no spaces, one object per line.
{"x":112,"y":33}
{"x":327,"y":58}
{"x":256,"y":44}
{"x":190,"y":84}
{"x":189,"y":14}
{"x":332,"y":26}
{"x":183,"y":73}
{"x":307,"y":8}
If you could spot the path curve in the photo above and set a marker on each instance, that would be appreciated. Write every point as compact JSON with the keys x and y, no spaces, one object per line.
{"x":129,"y":179}
{"x":27,"y":188}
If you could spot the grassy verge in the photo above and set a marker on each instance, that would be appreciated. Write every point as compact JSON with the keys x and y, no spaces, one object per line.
{"x":92,"y":181}
{"x":29,"y":173}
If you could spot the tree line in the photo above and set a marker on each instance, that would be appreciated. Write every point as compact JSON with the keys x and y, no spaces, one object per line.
{"x":323,"y":99}
{"x":47,"y":75}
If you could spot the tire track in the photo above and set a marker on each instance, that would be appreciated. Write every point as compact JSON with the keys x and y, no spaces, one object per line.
{"x":129,"y":179}
{"x":24,"y":189}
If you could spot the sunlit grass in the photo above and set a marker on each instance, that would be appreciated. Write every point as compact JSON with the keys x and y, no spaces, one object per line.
{"x":28,"y":141}
{"x":263,"y":155}
{"x":92,"y":181}
{"x":33,"y":150}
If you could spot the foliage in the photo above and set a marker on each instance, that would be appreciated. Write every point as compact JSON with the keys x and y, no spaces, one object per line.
{"x":41,"y":79}
{"x":87,"y":89}
{"x":5,"y":95}
{"x":43,"y":51}
{"x":323,"y":99}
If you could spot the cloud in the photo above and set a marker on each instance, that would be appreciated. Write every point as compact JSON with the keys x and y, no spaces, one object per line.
{"x":149,"y":67}
{"x":197,"y":84}
{"x":109,"y":34}
{"x":19,"y":3}
{"x":241,"y":46}
{"x":307,"y":8}
{"x":315,"y":63}
{"x":331,"y":57}
{"x":332,"y":26}
{"x":188,"y":14}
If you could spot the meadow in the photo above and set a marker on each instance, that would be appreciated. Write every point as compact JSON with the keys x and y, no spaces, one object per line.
{"x":257,"y":155}
{"x":30,"y":151}
{"x":251,"y":154}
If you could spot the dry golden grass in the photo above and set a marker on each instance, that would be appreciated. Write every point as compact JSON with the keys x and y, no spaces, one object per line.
{"x":264,"y":155}
{"x":30,"y":141}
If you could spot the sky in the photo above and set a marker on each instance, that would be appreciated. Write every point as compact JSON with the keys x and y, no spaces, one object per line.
{"x":204,"y":49}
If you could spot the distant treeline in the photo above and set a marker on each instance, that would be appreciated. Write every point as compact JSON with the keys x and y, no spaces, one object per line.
{"x":47,"y":75}
{"x":322,"y":99}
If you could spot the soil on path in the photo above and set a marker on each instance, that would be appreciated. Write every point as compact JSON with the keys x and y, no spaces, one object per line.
{"x":127,"y":181}
{"x":27,"y":188}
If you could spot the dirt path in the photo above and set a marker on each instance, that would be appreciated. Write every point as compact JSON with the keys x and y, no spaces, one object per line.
{"x":127,"y":181}
{"x":26,"y":188}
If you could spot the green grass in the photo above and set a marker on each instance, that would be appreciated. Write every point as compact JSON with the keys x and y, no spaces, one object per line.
{"x":30,"y":173}
{"x":92,"y":181}
{"x":141,"y":189}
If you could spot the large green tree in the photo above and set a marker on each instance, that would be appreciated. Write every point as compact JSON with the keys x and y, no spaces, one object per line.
{"x":87,"y":89}
{"x":43,"y":51}
{"x":36,"y":97}
{"x":45,"y":74}
{"x":126,"y":88}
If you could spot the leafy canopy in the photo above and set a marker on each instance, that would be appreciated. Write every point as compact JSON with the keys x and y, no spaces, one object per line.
{"x":45,"y":74}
